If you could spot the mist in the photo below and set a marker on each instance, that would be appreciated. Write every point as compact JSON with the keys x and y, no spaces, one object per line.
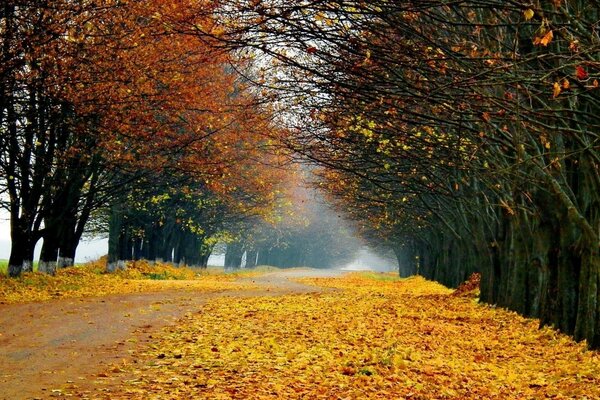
{"x":368,"y":260}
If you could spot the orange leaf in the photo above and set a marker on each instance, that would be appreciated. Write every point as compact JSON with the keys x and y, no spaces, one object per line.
{"x":544,"y":40}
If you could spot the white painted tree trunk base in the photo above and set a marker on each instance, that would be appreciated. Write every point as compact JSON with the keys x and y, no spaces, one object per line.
{"x":47,"y":267}
{"x":27,"y":266}
{"x":64,"y":262}
{"x":115,"y":266}
{"x":14,"y":270}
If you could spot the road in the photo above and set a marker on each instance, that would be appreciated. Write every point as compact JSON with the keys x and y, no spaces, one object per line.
{"x":46,"y":345}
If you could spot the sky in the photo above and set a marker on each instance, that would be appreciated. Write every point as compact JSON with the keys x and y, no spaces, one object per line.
{"x":88,"y":250}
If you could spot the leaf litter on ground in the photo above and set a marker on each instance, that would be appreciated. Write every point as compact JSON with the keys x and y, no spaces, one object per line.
{"x":91,"y":279}
{"x":371,"y":339}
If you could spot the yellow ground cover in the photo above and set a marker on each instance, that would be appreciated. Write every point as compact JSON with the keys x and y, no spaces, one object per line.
{"x":92,"y":280}
{"x":373,"y":339}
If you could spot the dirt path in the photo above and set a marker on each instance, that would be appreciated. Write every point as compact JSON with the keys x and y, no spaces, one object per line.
{"x":44,"y":346}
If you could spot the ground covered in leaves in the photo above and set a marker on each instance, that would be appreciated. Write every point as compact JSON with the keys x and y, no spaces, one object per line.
{"x":92,"y":280}
{"x":373,"y":337}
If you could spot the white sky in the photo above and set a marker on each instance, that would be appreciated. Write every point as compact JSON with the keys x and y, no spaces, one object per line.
{"x":4,"y":225}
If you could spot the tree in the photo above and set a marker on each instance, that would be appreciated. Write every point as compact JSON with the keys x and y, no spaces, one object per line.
{"x":468,"y":127}
{"x":88,"y":97}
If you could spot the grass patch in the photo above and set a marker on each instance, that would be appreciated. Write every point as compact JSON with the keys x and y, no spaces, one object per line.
{"x":248,"y":273}
{"x":157,"y":271}
{"x":4,"y":266}
{"x":157,"y":277}
{"x":236,"y":273}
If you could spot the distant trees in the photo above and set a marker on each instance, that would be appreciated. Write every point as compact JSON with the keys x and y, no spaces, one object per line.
{"x":305,"y":233}
{"x":466,"y":133}
{"x":164,"y":223}
{"x":175,"y":217}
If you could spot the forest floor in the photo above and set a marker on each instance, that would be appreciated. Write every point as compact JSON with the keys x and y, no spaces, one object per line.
{"x":289,"y":334}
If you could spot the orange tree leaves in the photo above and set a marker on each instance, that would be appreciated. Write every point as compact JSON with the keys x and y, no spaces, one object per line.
{"x":156,"y":93}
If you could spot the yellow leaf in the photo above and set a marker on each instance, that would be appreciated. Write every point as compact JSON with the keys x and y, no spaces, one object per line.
{"x":529,"y":13}
{"x":556,"y":90}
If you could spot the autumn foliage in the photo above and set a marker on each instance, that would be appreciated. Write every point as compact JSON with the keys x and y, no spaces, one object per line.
{"x":373,"y":337}
{"x":469,"y":288}
{"x":462,"y":135}
{"x":99,"y":98}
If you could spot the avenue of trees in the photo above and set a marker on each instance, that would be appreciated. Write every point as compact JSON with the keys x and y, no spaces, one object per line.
{"x":464,"y":134}
{"x":181,"y":221}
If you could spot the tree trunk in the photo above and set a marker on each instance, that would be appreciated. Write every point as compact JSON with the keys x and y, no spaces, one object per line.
{"x":69,"y":239}
{"x":205,"y":252}
{"x":49,"y":254}
{"x":117,"y":239}
{"x":233,"y":255}
{"x":179,"y":243}
{"x":21,"y":255}
{"x":251,"y":257}
{"x":407,"y":261}
{"x":137,"y":248}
